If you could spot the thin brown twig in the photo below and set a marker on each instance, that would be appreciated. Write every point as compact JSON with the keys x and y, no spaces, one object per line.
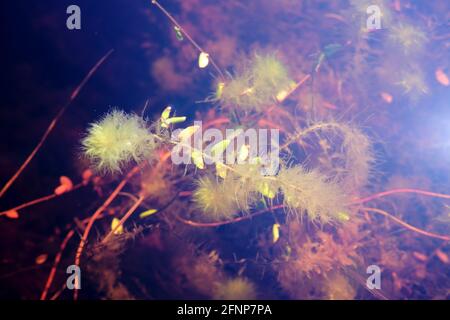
{"x":191,"y":40}
{"x":40,"y":200}
{"x":58,"y":293}
{"x":52,"y":274}
{"x":58,"y":258}
{"x":221,"y":223}
{"x":53,"y":123}
{"x":395,"y":191}
{"x":99,"y":211}
{"x":407,"y":225}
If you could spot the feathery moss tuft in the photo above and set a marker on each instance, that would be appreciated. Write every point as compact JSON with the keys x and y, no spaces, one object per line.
{"x":311,"y":194}
{"x":409,"y":38}
{"x":116,"y":140}
{"x":256,"y":84}
{"x":220,"y":200}
{"x":359,"y":157}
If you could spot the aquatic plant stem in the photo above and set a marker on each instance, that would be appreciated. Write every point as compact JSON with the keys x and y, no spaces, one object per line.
{"x":58,"y":293}
{"x":40,"y":200}
{"x":406,"y":225}
{"x":98,"y":212}
{"x":56,"y":263}
{"x":53,"y":123}
{"x":221,"y":223}
{"x":172,"y":19}
{"x":396,"y":191}
{"x":294,"y":88}
{"x":58,"y":259}
{"x":124,"y":218}
{"x":316,"y":127}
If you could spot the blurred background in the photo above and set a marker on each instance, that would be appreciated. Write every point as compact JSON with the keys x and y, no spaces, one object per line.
{"x":391,"y":81}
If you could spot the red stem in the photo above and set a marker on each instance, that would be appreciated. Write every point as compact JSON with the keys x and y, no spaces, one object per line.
{"x":394,"y":191}
{"x":406,"y":225}
{"x":53,"y":123}
{"x":97,"y":213}
{"x":40,"y":200}
{"x":221,"y":223}
{"x":56,"y":263}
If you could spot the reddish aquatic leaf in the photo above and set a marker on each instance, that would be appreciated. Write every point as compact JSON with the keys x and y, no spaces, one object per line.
{"x":420,"y":256}
{"x":41,"y":258}
{"x":65,"y":185}
{"x":386,"y":97}
{"x":442,"y":256}
{"x":59,"y":190}
{"x":12,"y":214}
{"x":87,"y":175}
{"x":65,"y":181}
{"x":442,"y":78}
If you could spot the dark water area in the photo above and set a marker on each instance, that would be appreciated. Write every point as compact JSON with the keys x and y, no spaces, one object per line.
{"x":390,"y":84}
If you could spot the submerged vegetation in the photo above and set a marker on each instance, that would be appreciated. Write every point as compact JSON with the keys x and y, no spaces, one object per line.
{"x":256,"y":84}
{"x":116,"y":140}
{"x":220,"y":230}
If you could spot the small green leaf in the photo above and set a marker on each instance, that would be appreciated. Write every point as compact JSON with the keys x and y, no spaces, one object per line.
{"x":331,"y":49}
{"x":328,"y":51}
{"x":265,"y":189}
{"x":166,"y":113}
{"x":343,"y":216}
{"x":147,"y":213}
{"x":186,"y":133}
{"x":178,"y":33}
{"x":219,"y":148}
{"x":219,"y":90}
{"x":197,"y":157}
{"x":203,"y":60}
{"x":175,"y":120}
{"x":275,"y":232}
{"x":166,"y":121}
{"x":115,"y":226}
{"x":164,"y":116}
{"x":221,"y":170}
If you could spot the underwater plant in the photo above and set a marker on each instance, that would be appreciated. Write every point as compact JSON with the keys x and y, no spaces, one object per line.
{"x":256,"y":84}
{"x":211,"y":229}
{"x":410,"y":38}
{"x":220,"y":200}
{"x":313,"y":195}
{"x":339,"y":288}
{"x":413,"y":83}
{"x":116,"y":140}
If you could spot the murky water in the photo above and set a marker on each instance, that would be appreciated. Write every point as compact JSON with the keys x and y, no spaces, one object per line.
{"x":357,"y":91}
